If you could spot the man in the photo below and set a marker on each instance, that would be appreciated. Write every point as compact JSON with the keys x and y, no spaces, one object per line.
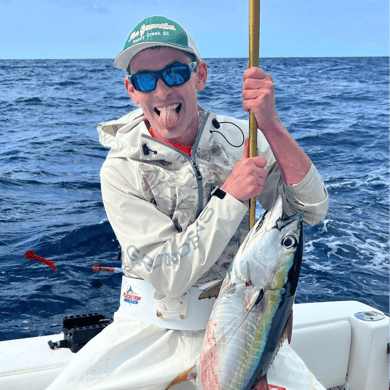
{"x":175,"y":187}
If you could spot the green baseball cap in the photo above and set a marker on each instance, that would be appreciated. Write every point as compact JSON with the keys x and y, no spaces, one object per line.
{"x":156,"y":31}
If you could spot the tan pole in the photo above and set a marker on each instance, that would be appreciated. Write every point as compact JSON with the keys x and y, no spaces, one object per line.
{"x":254,"y":51}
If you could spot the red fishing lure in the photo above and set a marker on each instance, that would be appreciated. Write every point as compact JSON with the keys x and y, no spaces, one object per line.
{"x":99,"y":268}
{"x":30,"y":255}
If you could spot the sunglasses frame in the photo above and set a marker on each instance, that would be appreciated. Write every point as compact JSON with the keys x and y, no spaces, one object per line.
{"x":191,"y":67}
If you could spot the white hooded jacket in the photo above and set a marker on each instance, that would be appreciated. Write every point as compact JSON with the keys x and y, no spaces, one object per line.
{"x":173,"y":233}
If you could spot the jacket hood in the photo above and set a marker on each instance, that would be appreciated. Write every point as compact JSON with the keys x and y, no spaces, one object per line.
{"x":122,"y":135}
{"x":127,"y":136}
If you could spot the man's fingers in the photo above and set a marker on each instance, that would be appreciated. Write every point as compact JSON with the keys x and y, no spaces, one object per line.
{"x":260,"y":162}
{"x":246,"y":149}
{"x":248,"y":176}
{"x":252,"y":94}
{"x":251,"y":104}
{"x":253,"y":84}
{"x":257,"y":73}
{"x":257,"y":164}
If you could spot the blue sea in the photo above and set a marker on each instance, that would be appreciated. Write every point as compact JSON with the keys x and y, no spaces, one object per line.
{"x":336,"y":108}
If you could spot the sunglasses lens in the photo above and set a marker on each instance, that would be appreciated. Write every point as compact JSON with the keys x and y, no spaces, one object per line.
{"x":144,"y":82}
{"x":176,"y":75}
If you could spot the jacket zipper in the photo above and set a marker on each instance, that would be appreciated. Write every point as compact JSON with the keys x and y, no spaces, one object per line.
{"x":192,"y":160}
{"x":200,"y":186}
{"x":196,"y":167}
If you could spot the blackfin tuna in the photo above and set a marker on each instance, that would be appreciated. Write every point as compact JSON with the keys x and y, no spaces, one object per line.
{"x":252,"y":315}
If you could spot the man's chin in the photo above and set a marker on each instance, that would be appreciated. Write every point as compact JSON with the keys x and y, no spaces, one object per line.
{"x":168,"y":135}
{"x":167,"y":127}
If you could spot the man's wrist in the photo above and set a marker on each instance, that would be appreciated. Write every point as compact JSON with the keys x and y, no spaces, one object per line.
{"x":272,"y":127}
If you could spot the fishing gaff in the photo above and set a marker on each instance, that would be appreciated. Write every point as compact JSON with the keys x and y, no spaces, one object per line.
{"x":254,"y":50}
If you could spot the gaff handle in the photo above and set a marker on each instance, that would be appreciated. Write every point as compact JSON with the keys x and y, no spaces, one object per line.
{"x":254,"y":52}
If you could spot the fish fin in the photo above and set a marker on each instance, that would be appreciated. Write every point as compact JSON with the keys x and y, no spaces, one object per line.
{"x":256,"y":298}
{"x":191,"y":373}
{"x":262,"y":384}
{"x":288,"y":331}
{"x":286,"y":334}
{"x":211,"y":291}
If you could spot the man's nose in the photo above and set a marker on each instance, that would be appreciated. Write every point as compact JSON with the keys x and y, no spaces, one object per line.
{"x":162,"y":89}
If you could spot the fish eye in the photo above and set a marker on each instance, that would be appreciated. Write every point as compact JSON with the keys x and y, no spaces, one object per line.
{"x":289,"y":242}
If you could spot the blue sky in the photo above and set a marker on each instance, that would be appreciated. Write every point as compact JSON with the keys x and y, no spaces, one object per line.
{"x":289,"y":28}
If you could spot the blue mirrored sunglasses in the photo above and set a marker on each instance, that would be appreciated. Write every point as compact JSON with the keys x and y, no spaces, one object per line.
{"x":173,"y":75}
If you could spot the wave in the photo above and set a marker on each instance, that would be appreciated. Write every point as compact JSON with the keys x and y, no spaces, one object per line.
{"x":29,"y":101}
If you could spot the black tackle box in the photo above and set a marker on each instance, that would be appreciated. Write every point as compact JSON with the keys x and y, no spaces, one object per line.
{"x":79,"y":329}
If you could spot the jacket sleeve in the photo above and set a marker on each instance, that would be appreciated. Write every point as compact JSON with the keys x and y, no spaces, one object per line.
{"x":153,"y":249}
{"x":309,"y":195}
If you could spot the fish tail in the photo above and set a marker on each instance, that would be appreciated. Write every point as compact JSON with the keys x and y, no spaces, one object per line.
{"x":262,"y":384}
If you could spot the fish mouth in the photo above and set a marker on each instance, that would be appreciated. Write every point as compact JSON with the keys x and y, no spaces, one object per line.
{"x":174,"y":106}
{"x":271,"y":216}
{"x":283,"y":222}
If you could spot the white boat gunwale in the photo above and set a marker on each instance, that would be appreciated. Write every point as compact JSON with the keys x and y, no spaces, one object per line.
{"x":341,"y":350}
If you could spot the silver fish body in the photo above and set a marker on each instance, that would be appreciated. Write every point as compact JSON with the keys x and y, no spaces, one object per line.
{"x":254,"y":305}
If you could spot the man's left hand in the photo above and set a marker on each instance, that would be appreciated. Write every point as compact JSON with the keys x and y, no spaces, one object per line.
{"x":259,"y":97}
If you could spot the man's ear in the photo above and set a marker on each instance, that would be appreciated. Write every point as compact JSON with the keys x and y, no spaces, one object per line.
{"x":201,"y":73}
{"x":132,"y":92}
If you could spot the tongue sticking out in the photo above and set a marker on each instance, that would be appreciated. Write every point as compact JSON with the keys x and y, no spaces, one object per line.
{"x":169,"y":117}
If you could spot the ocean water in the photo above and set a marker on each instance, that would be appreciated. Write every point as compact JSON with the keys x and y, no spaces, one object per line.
{"x":336,"y":108}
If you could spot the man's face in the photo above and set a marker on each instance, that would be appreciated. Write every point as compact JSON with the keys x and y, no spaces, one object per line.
{"x":171,"y":111}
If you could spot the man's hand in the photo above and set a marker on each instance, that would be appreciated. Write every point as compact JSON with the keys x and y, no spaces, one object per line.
{"x":248,"y":176}
{"x":259,"y":96}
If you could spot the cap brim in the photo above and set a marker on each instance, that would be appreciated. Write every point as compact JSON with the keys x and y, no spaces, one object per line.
{"x":124,"y":58}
